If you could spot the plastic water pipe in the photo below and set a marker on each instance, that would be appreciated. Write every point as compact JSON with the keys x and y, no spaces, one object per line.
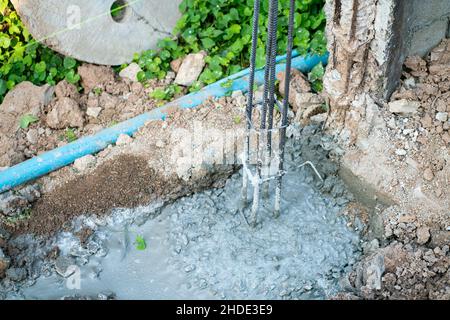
{"x":65,"y":155}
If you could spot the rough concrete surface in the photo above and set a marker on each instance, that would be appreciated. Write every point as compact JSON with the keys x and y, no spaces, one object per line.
{"x":85,"y":29}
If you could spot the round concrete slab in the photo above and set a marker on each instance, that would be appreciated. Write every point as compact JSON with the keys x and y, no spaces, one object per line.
{"x":86,"y":29}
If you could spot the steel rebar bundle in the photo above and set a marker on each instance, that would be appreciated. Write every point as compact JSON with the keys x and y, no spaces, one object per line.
{"x":264,"y":135}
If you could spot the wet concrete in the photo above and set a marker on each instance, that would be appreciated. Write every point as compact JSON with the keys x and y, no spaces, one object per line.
{"x":200,"y":247}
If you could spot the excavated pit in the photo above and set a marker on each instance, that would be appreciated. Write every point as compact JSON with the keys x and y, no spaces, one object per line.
{"x":200,"y":246}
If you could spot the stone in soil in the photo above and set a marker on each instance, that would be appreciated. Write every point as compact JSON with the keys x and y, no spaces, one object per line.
{"x":123,"y":139}
{"x":428,"y":174}
{"x":93,"y":112}
{"x":65,"y":89}
{"x":93,"y":76}
{"x":24,"y":99}
{"x":33,"y":136}
{"x":298,"y":84}
{"x":176,"y":64}
{"x":409,"y":273}
{"x":190,"y":69}
{"x":416,"y":65}
{"x":131,"y":72}
{"x":442,"y":116}
{"x":65,"y":113}
{"x":404,"y":107}
{"x":423,"y":235}
{"x":85,"y":163}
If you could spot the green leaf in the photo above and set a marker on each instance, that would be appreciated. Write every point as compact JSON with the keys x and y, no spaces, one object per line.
{"x":141,"y":76}
{"x":69,"y":63}
{"x":260,"y":57}
{"x":71,"y":77}
{"x":70,"y":135}
{"x":196,"y":86}
{"x":158,"y":94}
{"x":140,"y":243}
{"x":208,"y":43}
{"x":227,"y":84}
{"x":40,"y":67}
{"x":5,"y":42}
{"x":317,"y":73}
{"x":26,"y":120}
{"x":3,"y":87}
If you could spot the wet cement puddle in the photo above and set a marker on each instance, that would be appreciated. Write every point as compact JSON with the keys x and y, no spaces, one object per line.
{"x":200,"y":247}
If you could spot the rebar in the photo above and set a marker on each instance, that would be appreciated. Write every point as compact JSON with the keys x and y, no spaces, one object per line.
{"x":250,"y":95}
{"x":264,"y":135}
{"x":271,"y":101}
{"x":262,"y":161}
{"x":284,"y":120}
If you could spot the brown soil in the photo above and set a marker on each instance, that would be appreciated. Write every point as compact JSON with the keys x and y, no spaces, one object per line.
{"x":111,"y":187}
{"x":398,"y":165}
{"x":410,"y":272}
{"x":137,"y":173}
{"x":114,"y":98}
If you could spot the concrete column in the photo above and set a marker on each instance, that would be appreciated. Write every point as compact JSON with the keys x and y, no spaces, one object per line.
{"x":370,"y":39}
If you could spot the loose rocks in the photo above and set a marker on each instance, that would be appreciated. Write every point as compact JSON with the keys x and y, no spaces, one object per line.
{"x":190,"y":69}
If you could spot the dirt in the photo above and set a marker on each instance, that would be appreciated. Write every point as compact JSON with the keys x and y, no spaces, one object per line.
{"x":146,"y":169}
{"x":65,"y":112}
{"x":410,"y":272}
{"x":394,"y":156}
{"x":427,"y":82}
{"x":92,"y":193}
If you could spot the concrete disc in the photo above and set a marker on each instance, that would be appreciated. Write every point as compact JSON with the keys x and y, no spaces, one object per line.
{"x":87,"y":31}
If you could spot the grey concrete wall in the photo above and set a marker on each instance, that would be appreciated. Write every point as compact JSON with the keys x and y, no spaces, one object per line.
{"x":418,"y":26}
{"x":427,"y":23}
{"x":368,"y":41}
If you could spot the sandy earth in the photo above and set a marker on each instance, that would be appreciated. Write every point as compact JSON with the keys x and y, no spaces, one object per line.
{"x":65,"y":113}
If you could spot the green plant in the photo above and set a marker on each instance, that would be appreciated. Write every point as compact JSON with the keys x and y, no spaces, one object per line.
{"x":196,"y":86}
{"x":165,"y":94}
{"x":316,"y":76}
{"x":26,"y":120}
{"x":22,"y":58}
{"x":223,"y":30}
{"x":140,"y":243}
{"x":70,"y":135}
{"x":152,"y":65}
{"x":24,"y":215}
{"x":97,"y":91}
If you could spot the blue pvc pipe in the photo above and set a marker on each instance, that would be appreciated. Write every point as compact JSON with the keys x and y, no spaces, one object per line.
{"x":65,"y":155}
